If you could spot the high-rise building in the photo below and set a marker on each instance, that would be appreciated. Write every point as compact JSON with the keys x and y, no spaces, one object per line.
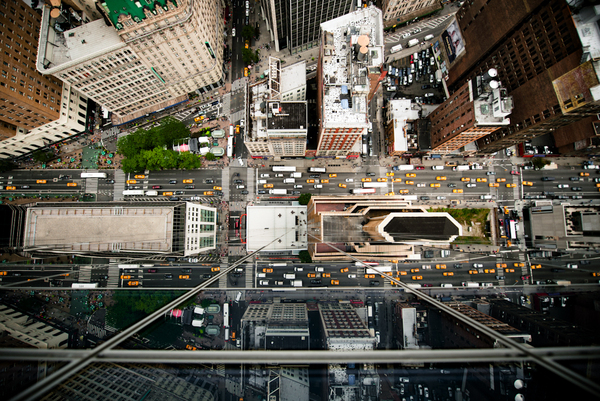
{"x":148,"y":58}
{"x":275,"y":326}
{"x":400,"y":135}
{"x":477,"y":109}
{"x":350,"y":59}
{"x":36,"y":109}
{"x":294,"y":25}
{"x":399,"y":11}
{"x":536,"y":46}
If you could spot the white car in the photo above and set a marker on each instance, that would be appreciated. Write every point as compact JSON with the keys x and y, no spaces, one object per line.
{"x":351,"y":275}
{"x":264,"y":282}
{"x":298,"y":186}
{"x":471,"y":185}
{"x":426,"y":267}
{"x":477,"y":265}
{"x":421,"y":185}
{"x":264,"y":176}
{"x":233,"y":32}
{"x":349,"y":179}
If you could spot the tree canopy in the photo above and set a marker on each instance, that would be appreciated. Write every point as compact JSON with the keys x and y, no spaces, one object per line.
{"x":132,"y":306}
{"x":248,"y":32}
{"x":150,"y":149}
{"x":305,"y":257}
{"x":304,"y":199}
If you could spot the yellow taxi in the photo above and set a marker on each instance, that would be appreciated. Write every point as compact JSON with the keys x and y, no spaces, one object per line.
{"x":267,"y":270}
{"x":124,"y":277}
{"x":40,"y":181}
{"x":335,"y":282}
{"x":190,"y":347}
{"x":409,"y":182}
{"x":382,"y":179}
{"x":511,"y":185}
{"x":365,"y":179}
{"x":440,"y":266}
{"x":390,"y":174}
{"x":390,"y":194}
{"x":414,"y":270}
{"x":493,"y":185}
{"x":582,"y":174}
{"x":217,"y":188}
{"x":509,"y":270}
{"x":369,"y":276}
{"x":473,"y":272}
{"x":326,"y":275}
{"x":489,"y":271}
{"x":247,"y":45}
{"x":500,"y":179}
{"x":595,"y":274}
{"x":333,"y":175}
{"x":403,"y":273}
{"x":171,"y":193}
{"x":465,"y":179}
{"x":500,"y":265}
{"x":440,"y":178}
{"x":310,"y":181}
{"x":267,"y":185}
{"x":131,"y":182}
{"x":344,"y":270}
{"x":206,"y":193}
{"x":325,"y":181}
{"x":199,"y":118}
{"x":457,"y":191}
{"x":417,"y":277}
{"x":411,"y":175}
{"x":184,"y":277}
{"x":188,"y":181}
{"x":528,"y":183}
{"x":403,"y":191}
{"x":215,"y":269}
{"x":133,"y":283}
{"x":237,"y":129}
{"x":482,"y":179}
{"x":519,"y":264}
{"x":245,"y":71}
{"x":71,"y":184}
{"x":311,"y":275}
{"x":396,"y":179}
{"x":434,"y":185}
{"x":448,"y":273}
{"x":5,"y":273}
{"x":536,"y":266}
{"x":140,"y":176}
{"x":11,"y":188}
{"x":342,"y":185}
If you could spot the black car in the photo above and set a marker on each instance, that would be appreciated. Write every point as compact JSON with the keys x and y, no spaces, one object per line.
{"x":295,"y":192}
{"x":190,"y":187}
{"x":451,"y":185}
{"x":584,"y":262}
{"x":424,"y":197}
{"x":244,"y":192}
{"x":575,"y":188}
{"x":262,"y":192}
{"x":174,"y":198}
{"x":173,"y":182}
{"x":209,"y":181}
{"x":317,"y":281}
{"x":111,"y":181}
{"x":206,"y":275}
{"x":556,"y":270}
{"x":171,"y":259}
{"x":315,"y":175}
{"x":238,"y":181}
{"x":371,"y":174}
{"x":186,"y":270}
{"x":574,"y":178}
{"x":458,"y":265}
{"x":374,"y":283}
{"x":168,"y":275}
{"x":178,"y":192}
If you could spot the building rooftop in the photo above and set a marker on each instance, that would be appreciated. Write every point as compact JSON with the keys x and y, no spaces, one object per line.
{"x":401,"y":111}
{"x":267,"y":223}
{"x":352,"y":44}
{"x":135,"y":9}
{"x":578,"y":87}
{"x":287,"y":116}
{"x":293,"y":76}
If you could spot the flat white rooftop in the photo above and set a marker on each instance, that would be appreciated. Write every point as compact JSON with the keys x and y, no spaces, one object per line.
{"x":401,"y":111}
{"x":268,"y":223}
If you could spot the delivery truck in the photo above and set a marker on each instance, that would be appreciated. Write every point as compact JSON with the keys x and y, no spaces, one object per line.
{"x":277,"y":191}
{"x":460,"y":168}
{"x":296,"y":283}
{"x":413,"y":42}
{"x":470,"y":284}
{"x":296,"y":175}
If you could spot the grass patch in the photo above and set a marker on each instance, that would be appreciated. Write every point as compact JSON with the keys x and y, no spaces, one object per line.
{"x":466,"y":216}
{"x":473,"y":240}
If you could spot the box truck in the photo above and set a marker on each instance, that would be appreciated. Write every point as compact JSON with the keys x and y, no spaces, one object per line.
{"x":296,"y":283}
{"x":413,"y":42}
{"x":277,"y":191}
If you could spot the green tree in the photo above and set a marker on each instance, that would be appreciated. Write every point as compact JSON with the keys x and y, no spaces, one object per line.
{"x":171,"y":129}
{"x":131,"y":306}
{"x":304,"y":199}
{"x":247,"y":56}
{"x":539,"y":162}
{"x":133,"y":164}
{"x":210,"y":157}
{"x":305,"y":257}
{"x":42,"y":156}
{"x":248,"y":32}
{"x":7,"y":165}
{"x":189,"y":161}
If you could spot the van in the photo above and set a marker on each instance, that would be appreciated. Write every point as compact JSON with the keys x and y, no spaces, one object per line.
{"x":437,"y":167}
{"x":485,"y":197}
{"x":259,"y":275}
{"x":289,"y":276}
{"x":446,"y":285}
{"x":279,"y":283}
{"x":445,"y":253}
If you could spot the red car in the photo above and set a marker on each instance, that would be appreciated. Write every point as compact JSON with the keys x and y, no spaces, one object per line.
{"x":419,"y":168}
{"x":514,"y":172}
{"x":156,"y":187}
{"x":525,"y":277}
{"x":427,"y":285}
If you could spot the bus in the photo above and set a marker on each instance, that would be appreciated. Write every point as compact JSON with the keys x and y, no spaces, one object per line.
{"x":225,"y":314}
{"x":366,"y":262}
{"x":93,"y":175}
{"x":374,"y":184}
{"x":84,"y":285}
{"x":382,"y":268}
{"x":317,"y":170}
{"x":396,"y":49}
{"x":285,"y":168}
{"x":363,"y":191}
{"x":133,"y":192}
{"x":230,"y":146}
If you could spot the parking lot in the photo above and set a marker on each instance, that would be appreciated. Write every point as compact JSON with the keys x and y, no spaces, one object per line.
{"x":415,"y":77}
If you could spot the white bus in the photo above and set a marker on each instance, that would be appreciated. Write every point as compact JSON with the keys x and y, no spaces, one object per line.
{"x":284,"y":168}
{"x":84,"y":285}
{"x":381,"y":268}
{"x":396,"y":49}
{"x":226,"y":314}
{"x":363,"y":191}
{"x":374,"y":184}
{"x":93,"y":175}
{"x":366,"y":262}
{"x":230,"y":146}
{"x":317,"y":170}
{"x":133,"y":192}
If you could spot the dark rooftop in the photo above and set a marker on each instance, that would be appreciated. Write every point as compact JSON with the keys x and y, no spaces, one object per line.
{"x":413,"y":228}
{"x":290,"y":115}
